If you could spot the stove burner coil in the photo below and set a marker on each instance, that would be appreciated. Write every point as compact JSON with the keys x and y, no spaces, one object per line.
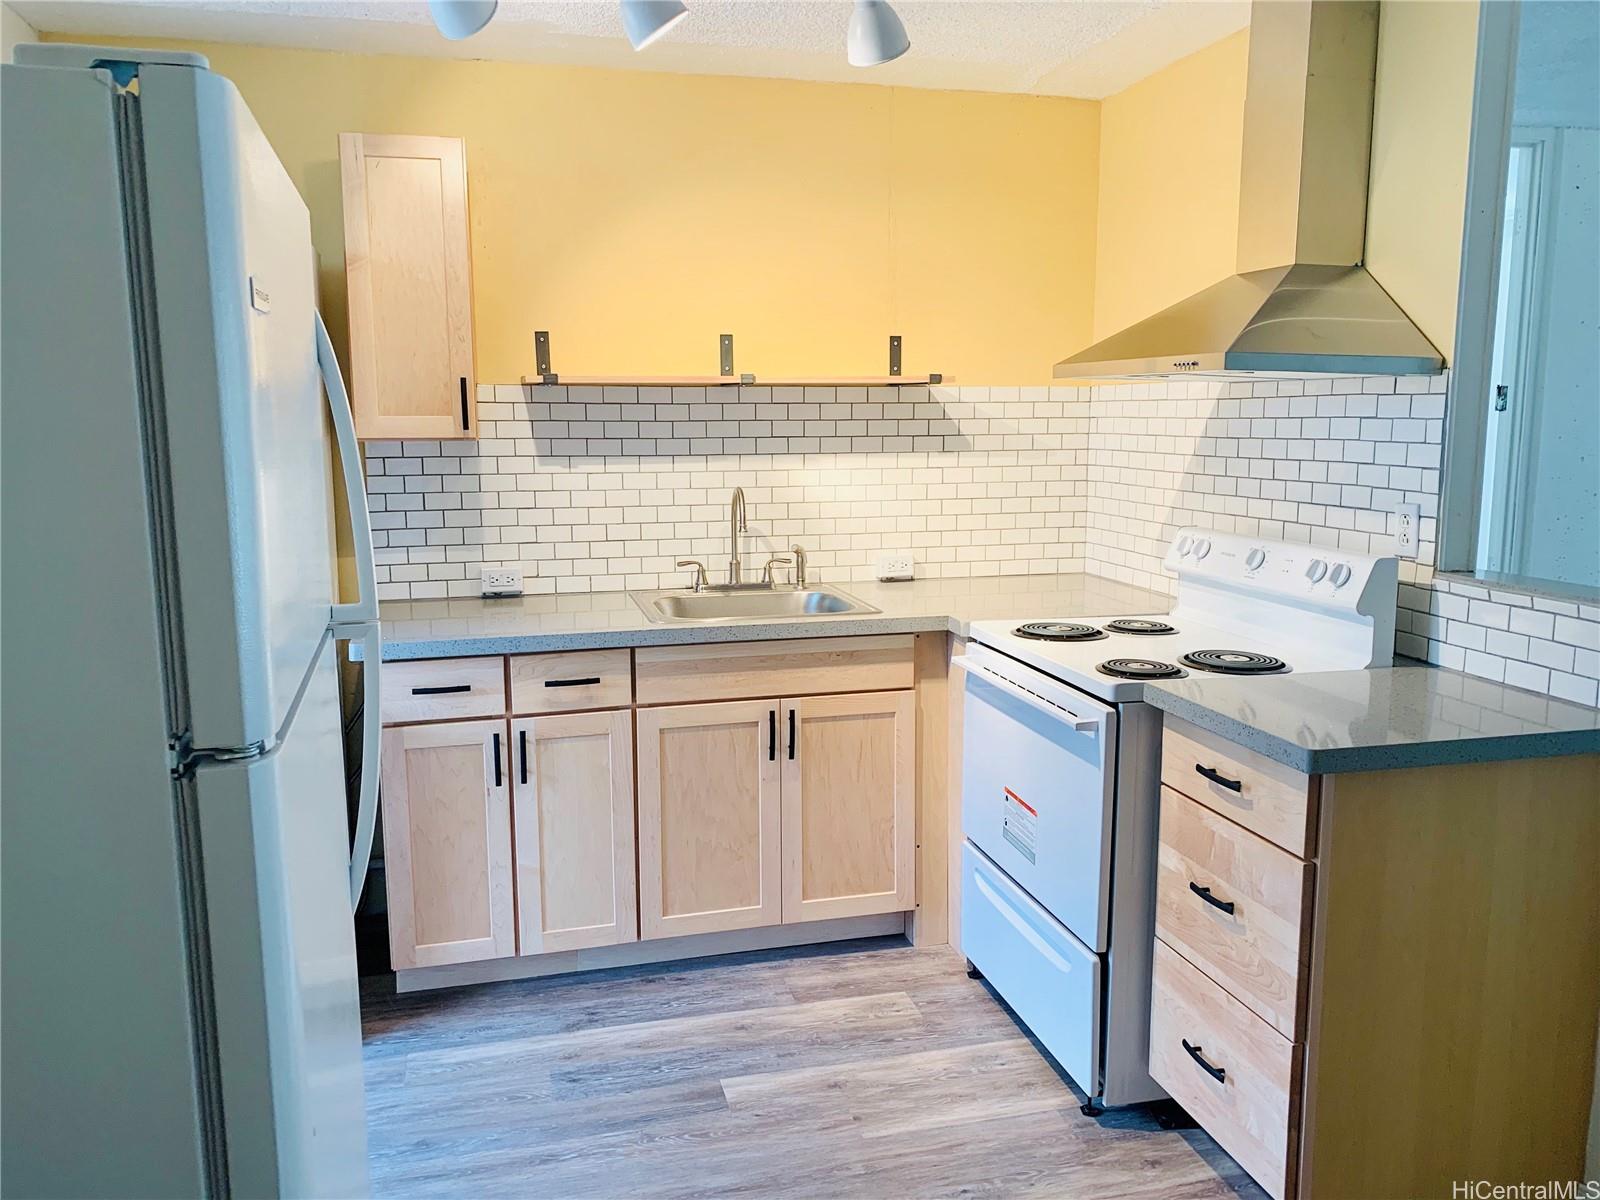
{"x":1058,"y":631}
{"x":1140,"y":668}
{"x":1140,"y":626}
{"x":1233,"y":662}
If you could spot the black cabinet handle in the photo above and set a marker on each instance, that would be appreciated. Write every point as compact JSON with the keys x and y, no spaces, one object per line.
{"x":572,"y":682}
{"x":497,"y":760}
{"x":791,"y":735}
{"x":1216,"y":1073}
{"x":465,"y":420}
{"x":522,"y":746}
{"x":772,"y":735}
{"x":1233,"y":785}
{"x":1205,"y":894}
{"x":449,"y":690}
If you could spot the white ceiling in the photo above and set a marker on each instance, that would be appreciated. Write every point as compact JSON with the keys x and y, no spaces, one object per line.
{"x":1086,"y":48}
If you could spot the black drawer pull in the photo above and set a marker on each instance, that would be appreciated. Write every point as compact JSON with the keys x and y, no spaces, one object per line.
{"x":1216,"y":1073}
{"x":522,"y":743}
{"x":449,"y":690}
{"x":772,"y":735}
{"x":465,"y":421}
{"x":791,"y":735}
{"x":1233,"y":785}
{"x":572,"y":682}
{"x":1205,"y":894}
{"x":497,"y":760}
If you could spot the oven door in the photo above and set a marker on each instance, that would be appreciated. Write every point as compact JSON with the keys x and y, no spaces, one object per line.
{"x":1037,"y":786}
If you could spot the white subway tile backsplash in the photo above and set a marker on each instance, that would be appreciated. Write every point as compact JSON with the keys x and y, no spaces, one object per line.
{"x":601,"y":489}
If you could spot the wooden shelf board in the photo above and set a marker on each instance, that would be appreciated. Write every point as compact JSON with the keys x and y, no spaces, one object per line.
{"x":849,"y":381}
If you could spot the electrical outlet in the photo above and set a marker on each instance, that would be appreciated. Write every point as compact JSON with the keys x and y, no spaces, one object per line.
{"x":502,"y":581}
{"x":895,"y":566}
{"x":1407,"y":529}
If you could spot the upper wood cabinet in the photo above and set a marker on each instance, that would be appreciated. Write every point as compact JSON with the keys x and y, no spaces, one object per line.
{"x":849,"y":805}
{"x":409,"y":271}
{"x":447,"y":843}
{"x":708,"y":818}
{"x":572,"y":788}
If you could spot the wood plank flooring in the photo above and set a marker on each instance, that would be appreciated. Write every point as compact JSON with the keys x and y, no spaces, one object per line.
{"x":868,"y":1070}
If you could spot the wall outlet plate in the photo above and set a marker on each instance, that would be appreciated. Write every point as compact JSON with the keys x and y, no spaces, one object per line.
{"x":1407,"y":529}
{"x":502,"y":581}
{"x":895,"y":565}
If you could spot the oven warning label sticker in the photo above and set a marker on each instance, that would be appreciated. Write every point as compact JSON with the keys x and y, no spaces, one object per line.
{"x":1020,"y":826}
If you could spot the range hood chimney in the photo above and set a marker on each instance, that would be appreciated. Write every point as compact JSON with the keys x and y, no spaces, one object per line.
{"x":1300,"y":303}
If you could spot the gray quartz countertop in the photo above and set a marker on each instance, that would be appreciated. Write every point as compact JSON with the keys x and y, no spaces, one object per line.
{"x":591,"y":620}
{"x":1381,"y":719}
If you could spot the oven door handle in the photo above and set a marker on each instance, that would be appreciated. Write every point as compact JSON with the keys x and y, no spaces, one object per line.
{"x":1081,"y":724}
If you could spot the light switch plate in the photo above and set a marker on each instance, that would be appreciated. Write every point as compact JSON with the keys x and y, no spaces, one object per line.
{"x":502,"y":581}
{"x":895,"y":565}
{"x":1407,"y":529}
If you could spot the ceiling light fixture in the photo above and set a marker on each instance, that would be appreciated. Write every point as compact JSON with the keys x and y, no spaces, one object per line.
{"x":876,"y":35}
{"x":458,"y":19}
{"x":644,"y":21}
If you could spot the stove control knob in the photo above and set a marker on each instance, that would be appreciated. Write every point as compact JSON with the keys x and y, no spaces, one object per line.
{"x":1341,"y":574}
{"x":1255,"y":558}
{"x":1202,"y":547}
{"x":1184,"y":543}
{"x":1316,"y":570}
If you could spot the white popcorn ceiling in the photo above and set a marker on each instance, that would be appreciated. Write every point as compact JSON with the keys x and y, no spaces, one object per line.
{"x":1083,"y":48}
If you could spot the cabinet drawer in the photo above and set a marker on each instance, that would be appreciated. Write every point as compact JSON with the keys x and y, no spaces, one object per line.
{"x":543,"y":683}
{"x":1234,"y":905}
{"x":434,"y":689}
{"x":1252,"y":1110}
{"x":1265,"y":797}
{"x":748,"y":670}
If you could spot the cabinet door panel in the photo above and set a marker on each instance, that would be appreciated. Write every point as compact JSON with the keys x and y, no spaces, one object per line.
{"x":409,"y":275}
{"x":849,"y":805}
{"x":573,"y":792}
{"x":447,"y":843}
{"x":708,"y":818}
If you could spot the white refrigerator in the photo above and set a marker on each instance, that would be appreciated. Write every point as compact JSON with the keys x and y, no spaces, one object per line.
{"x":180,"y":1010}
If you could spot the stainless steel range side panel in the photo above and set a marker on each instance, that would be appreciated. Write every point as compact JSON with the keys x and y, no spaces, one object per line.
{"x":1125,"y":1058}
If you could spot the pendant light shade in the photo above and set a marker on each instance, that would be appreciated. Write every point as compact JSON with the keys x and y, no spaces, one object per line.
{"x":459,"y":19}
{"x":876,"y":35}
{"x":644,"y":21}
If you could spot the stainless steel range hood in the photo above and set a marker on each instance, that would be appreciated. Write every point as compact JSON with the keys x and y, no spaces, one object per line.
{"x":1300,"y":303}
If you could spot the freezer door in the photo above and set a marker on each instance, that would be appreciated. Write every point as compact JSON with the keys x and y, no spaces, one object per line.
{"x":247,"y":460}
{"x":288,"y":1025}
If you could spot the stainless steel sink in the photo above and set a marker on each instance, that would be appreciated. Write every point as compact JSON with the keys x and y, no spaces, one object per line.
{"x":723,"y":604}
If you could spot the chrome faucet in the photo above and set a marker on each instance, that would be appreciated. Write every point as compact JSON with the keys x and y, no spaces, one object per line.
{"x":799,"y":553}
{"x":736,"y":525}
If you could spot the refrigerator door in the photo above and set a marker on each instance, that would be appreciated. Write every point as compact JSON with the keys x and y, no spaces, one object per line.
{"x":288,"y":1026}
{"x":247,"y":456}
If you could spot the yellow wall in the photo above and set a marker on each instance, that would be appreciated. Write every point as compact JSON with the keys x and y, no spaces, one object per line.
{"x":1421,"y":130}
{"x":1169,"y":184}
{"x":638,"y":215}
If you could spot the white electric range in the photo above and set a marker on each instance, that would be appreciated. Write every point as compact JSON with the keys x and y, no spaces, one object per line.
{"x":1061,"y":777}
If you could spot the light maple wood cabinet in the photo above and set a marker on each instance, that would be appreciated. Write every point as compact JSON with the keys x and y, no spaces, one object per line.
{"x":572,"y":791}
{"x":447,"y":843}
{"x":409,"y":274}
{"x":709,"y":818}
{"x":760,"y":812}
{"x":849,"y":805}
{"x":1378,"y":961}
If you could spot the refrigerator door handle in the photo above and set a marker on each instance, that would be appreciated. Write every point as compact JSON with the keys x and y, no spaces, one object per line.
{"x":371,"y":732}
{"x":365,"y":608}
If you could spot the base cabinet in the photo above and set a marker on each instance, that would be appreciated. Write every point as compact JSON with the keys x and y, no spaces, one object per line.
{"x":849,"y":805}
{"x":709,"y":818}
{"x":572,"y":807}
{"x":447,"y":843}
